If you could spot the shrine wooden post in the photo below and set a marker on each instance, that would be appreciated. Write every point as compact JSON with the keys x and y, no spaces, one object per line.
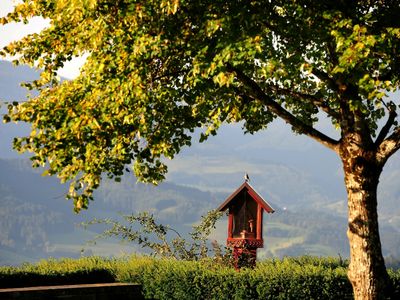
{"x":245,"y":223}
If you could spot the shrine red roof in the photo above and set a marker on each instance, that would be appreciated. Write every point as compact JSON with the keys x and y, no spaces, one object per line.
{"x":254,"y":195}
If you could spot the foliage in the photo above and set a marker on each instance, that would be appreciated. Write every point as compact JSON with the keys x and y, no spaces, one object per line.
{"x":156,"y":70}
{"x":290,"y":278}
{"x":55,"y":272}
{"x":144,"y":230}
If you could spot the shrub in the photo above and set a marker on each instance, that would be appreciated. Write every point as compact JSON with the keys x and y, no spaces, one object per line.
{"x":304,"y":277}
{"x":58,"y":272}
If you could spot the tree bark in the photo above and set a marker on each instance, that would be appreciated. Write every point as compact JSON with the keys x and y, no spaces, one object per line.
{"x":367,"y":272}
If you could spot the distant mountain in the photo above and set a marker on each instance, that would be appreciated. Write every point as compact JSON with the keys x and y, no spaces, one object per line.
{"x":36,"y":222}
{"x":302,"y":180}
{"x":11,"y":78}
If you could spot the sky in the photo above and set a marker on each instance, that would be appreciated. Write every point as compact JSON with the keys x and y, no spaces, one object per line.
{"x":16,"y":31}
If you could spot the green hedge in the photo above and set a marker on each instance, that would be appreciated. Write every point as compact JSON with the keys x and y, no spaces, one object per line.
{"x":309,"y":278}
{"x":289,"y":278}
{"x":59,"y":272}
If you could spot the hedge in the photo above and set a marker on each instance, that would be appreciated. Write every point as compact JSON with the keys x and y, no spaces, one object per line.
{"x":289,"y":278}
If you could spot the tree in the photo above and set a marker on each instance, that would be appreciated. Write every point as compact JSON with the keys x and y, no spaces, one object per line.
{"x":158,"y":69}
{"x":157,"y":237}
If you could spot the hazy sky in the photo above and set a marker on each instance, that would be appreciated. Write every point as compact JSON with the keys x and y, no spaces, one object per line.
{"x":12,"y":32}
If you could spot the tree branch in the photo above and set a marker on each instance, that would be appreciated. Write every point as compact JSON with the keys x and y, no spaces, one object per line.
{"x":310,"y":98}
{"x":389,"y":123}
{"x":277,"y":109}
{"x":321,"y":75}
{"x":389,"y":146}
{"x":346,"y":117}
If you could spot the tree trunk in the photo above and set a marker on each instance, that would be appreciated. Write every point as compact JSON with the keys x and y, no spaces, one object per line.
{"x":367,"y":271}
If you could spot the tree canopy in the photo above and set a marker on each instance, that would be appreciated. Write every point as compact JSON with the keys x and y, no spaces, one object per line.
{"x":156,"y":70}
